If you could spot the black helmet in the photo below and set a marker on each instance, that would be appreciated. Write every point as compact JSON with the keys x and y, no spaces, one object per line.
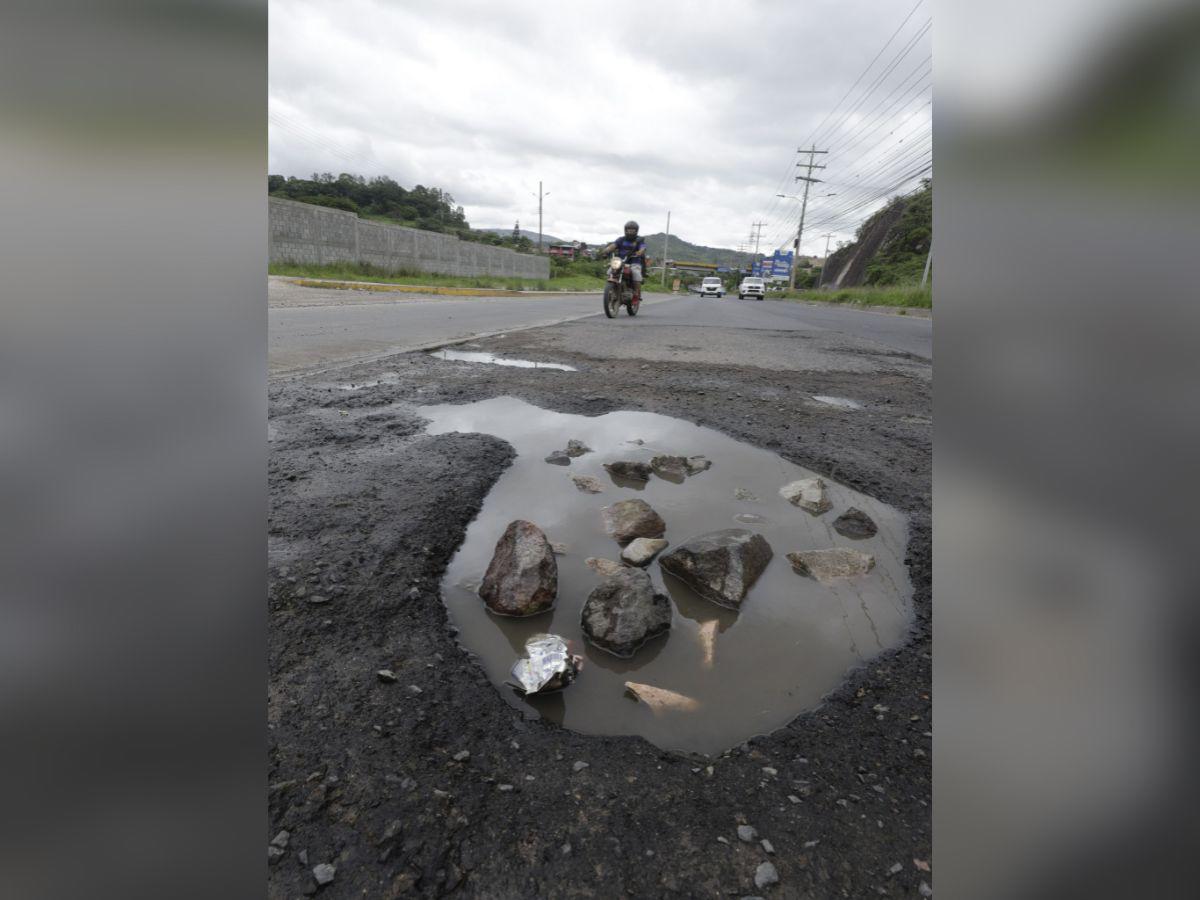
{"x":631,"y":226}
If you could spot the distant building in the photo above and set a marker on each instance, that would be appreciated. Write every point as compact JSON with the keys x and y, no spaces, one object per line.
{"x":568,"y":249}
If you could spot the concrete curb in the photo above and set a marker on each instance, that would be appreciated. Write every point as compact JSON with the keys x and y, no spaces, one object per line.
{"x":380,"y":287}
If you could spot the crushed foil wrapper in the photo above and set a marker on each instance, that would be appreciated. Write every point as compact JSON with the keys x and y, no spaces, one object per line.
{"x":548,"y":665}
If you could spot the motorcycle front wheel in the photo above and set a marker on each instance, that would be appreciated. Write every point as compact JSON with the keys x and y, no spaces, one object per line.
{"x":612,"y":300}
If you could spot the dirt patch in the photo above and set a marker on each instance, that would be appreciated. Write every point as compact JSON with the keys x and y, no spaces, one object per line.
{"x":370,"y":775}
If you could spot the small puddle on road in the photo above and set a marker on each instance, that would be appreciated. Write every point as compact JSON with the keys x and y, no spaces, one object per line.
{"x":749,"y":672}
{"x":492,"y":359}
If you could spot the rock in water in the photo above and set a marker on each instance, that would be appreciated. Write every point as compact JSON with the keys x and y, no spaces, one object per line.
{"x":662,"y":700}
{"x":623,"y":612}
{"x":633,"y":471}
{"x":629,"y":519}
{"x":721,"y":566}
{"x":603,"y":566}
{"x":698,"y":464}
{"x":577,"y":448}
{"x":587,"y":484}
{"x":641,"y":551}
{"x":808,"y":494}
{"x":558,"y":458}
{"x":854,"y":523}
{"x":828,"y":565}
{"x":522,"y":578}
{"x":673,"y":468}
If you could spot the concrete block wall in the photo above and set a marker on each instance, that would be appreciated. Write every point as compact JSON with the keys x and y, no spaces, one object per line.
{"x":316,"y":235}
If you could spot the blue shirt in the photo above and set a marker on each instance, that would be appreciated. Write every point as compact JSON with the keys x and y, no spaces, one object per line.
{"x":627,"y":247}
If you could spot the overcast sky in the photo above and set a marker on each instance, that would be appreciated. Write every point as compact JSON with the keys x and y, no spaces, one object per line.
{"x":695,"y":107}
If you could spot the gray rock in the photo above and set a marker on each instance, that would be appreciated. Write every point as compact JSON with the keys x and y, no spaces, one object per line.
{"x":698,"y":464}
{"x":747,"y":833}
{"x":765,"y":875}
{"x":630,"y":519}
{"x":720,"y":566}
{"x":672,"y":468}
{"x":414,"y":690}
{"x":558,"y":548}
{"x":281,"y":840}
{"x":522,"y":578}
{"x":631,"y":471}
{"x":579,"y":765}
{"x":856,"y":524}
{"x":505,"y":788}
{"x":303,"y":857}
{"x":641,"y":551}
{"x":743,"y":494}
{"x":587,"y":484}
{"x":558,"y":458}
{"x":408,"y":783}
{"x":832,"y":564}
{"x":925,"y":890}
{"x":808,"y":494}
{"x":577,"y":448}
{"x":603,"y":566}
{"x":462,"y":756}
{"x":623,"y":612}
{"x":896,"y":869}
{"x":324,"y":873}
{"x":274,"y":855}
{"x":768,"y":847}
{"x":386,"y":675}
{"x":318,"y":599}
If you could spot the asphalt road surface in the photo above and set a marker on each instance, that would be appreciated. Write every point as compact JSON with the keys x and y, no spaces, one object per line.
{"x":312,"y":328}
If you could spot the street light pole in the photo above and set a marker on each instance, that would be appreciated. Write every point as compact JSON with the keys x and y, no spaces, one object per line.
{"x":825,"y":261}
{"x":540,"y":195}
{"x":666,"y":247}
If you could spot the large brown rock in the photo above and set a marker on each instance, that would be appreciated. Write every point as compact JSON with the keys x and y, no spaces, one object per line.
{"x":629,"y":519}
{"x":522,"y":578}
{"x":720,"y":566}
{"x":623,"y":612}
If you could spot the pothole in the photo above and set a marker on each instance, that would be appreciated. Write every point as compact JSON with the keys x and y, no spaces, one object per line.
{"x":742,"y":673}
{"x":844,"y":402}
{"x":493,"y":359}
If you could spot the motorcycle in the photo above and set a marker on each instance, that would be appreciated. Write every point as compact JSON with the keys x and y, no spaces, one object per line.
{"x":619,"y":288}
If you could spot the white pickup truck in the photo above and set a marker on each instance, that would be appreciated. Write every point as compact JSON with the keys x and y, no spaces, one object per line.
{"x":751,"y":287}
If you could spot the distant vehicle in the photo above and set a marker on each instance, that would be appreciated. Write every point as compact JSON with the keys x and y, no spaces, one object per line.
{"x":712,"y":287}
{"x":751,"y":287}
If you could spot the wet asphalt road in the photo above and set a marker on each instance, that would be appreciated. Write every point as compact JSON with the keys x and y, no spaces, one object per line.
{"x":312,"y":328}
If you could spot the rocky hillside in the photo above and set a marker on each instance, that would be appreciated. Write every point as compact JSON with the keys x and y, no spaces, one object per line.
{"x":890,"y":246}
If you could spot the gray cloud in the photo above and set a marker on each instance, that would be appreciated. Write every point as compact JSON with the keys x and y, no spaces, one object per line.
{"x":695,"y":107}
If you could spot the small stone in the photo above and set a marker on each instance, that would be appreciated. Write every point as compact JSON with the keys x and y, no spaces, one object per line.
{"x":765,"y":875}
{"x":829,"y":565}
{"x":743,"y":494}
{"x":577,"y":448}
{"x":281,"y":840}
{"x":386,"y":675}
{"x":318,"y":599}
{"x":925,"y":890}
{"x":856,"y":524}
{"x":530,"y":778}
{"x":896,"y":869}
{"x":630,"y":471}
{"x":722,"y":840}
{"x":558,"y":548}
{"x":274,"y":855}
{"x":324,"y":873}
{"x":462,"y":755}
{"x":627,"y":520}
{"x":770,"y":771}
{"x":414,"y":690}
{"x":793,"y":798}
{"x":807,"y":493}
{"x":603,"y":567}
{"x":303,"y":857}
{"x":514,"y":745}
{"x":698,"y":464}
{"x":504,"y":787}
{"x":672,"y":468}
{"x":579,"y":765}
{"x":768,"y":846}
{"x":747,"y":833}
{"x":587,"y":484}
{"x":641,"y":552}
{"x":566,"y":849}
{"x":408,"y":783}
{"x":558,"y":458}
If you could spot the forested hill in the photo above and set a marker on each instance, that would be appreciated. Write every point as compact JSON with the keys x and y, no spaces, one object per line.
{"x":890,"y":247}
{"x":681,"y":250}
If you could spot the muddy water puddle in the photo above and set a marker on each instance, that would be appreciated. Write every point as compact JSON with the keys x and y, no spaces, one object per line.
{"x":492,"y":359}
{"x":740,"y":673}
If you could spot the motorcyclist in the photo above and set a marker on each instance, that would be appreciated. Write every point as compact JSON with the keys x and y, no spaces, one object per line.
{"x":631,"y":248}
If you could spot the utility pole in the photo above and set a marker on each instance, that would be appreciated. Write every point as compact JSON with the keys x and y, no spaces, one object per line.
{"x":540,"y":195}
{"x":825,"y":261}
{"x":808,"y":181}
{"x":756,"y":233}
{"x":928,"y":260}
{"x":666,"y":242}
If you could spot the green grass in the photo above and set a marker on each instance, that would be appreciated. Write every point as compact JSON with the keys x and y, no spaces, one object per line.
{"x":894,"y":295}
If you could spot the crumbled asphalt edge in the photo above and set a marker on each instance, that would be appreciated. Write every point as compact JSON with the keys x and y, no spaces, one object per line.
{"x":366,"y":513}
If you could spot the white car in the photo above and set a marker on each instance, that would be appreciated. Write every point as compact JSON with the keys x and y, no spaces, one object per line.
{"x":751,"y":287}
{"x":712,"y":287}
